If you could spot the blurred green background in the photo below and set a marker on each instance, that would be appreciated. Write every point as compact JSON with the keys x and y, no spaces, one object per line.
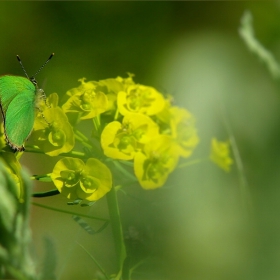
{"x":196,"y":227}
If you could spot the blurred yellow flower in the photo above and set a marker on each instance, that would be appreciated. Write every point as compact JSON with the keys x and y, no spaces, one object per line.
{"x":183,"y":131}
{"x":220,"y":154}
{"x":155,"y":162}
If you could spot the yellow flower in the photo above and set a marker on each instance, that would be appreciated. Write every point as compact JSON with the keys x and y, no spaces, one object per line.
{"x":86,"y":101}
{"x":122,"y":140}
{"x":53,"y":134}
{"x":111,"y":87}
{"x":183,"y":131}
{"x":164,"y":116}
{"x":140,"y":99}
{"x":155,"y":162}
{"x":220,"y":154}
{"x":77,"y":180}
{"x":126,"y":81}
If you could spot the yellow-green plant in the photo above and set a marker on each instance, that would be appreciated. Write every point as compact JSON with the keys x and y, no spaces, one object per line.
{"x":109,"y":129}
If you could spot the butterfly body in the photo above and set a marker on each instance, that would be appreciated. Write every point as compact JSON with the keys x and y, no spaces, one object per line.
{"x":18,"y":96}
{"x":17,"y":100}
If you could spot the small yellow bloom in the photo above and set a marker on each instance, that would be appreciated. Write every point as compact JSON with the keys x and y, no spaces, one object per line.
{"x":220,"y":154}
{"x":77,"y":180}
{"x":155,"y":162}
{"x":183,"y":131}
{"x":140,"y":99}
{"x":126,"y":81}
{"x":111,"y":87}
{"x":122,"y":140}
{"x":86,"y":101}
{"x":53,"y":134}
{"x":164,"y":116}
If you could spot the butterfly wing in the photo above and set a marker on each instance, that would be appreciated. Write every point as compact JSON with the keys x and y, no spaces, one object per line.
{"x":17,"y":97}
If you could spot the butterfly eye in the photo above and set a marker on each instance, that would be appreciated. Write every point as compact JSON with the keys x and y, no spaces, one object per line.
{"x":33,"y":81}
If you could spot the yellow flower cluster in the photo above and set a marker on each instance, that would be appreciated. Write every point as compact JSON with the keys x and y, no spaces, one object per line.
{"x":98,"y":125}
{"x":132,"y":122}
{"x":138,"y":124}
{"x":147,"y":130}
{"x":128,"y":122}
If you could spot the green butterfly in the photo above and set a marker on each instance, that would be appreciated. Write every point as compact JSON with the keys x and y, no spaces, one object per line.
{"x":17,"y":104}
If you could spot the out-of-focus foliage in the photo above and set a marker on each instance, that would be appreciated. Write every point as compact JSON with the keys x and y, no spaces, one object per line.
{"x":195,"y":226}
{"x":15,"y":239}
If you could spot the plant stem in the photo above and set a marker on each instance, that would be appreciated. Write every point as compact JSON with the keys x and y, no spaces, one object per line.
{"x":67,"y":212}
{"x":243,"y":184}
{"x":35,"y":149}
{"x":74,"y":154}
{"x":116,"y":227}
{"x":192,"y":162}
{"x":116,"y":115}
{"x":46,"y":194}
{"x":95,"y":261}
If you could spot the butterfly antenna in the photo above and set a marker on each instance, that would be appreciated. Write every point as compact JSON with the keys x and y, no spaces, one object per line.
{"x":41,"y":66}
{"x":19,"y":60}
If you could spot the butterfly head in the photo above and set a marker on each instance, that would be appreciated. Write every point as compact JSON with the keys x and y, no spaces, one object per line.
{"x":33,"y":81}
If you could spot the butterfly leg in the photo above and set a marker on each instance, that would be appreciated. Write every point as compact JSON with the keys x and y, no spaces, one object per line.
{"x":43,"y":116}
{"x":43,"y":96}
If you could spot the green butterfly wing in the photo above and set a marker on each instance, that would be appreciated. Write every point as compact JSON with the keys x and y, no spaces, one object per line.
{"x":17,"y":99}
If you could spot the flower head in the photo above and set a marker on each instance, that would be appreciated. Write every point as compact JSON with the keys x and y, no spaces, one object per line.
{"x":140,"y":99}
{"x":111,"y":87}
{"x":86,"y":100}
{"x":53,"y":134}
{"x":122,"y":140}
{"x":155,"y":162}
{"x":183,"y":130}
{"x":220,"y":154}
{"x":77,"y":180}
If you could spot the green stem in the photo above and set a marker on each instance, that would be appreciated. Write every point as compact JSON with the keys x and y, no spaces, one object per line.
{"x":36,"y":149}
{"x":67,"y":212}
{"x":96,"y":123}
{"x":192,"y":162}
{"x":126,"y":173}
{"x":243,"y":184}
{"x":116,"y":227}
{"x":116,"y":115}
{"x":74,"y":154}
{"x":80,"y":135}
{"x":82,"y":138}
{"x":85,"y":143}
{"x":46,"y":194}
{"x":95,"y":261}
{"x":33,"y":149}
